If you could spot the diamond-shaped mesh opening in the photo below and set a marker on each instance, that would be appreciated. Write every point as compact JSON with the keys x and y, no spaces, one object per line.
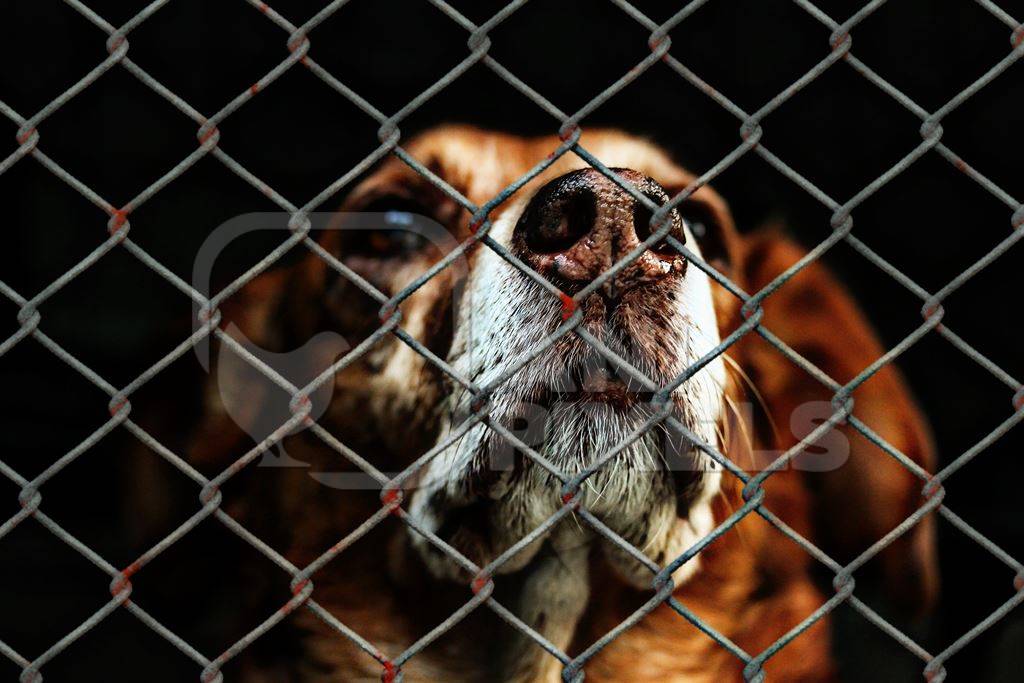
{"x":119,"y":498}
{"x":848,"y":151}
{"x":994,"y":590}
{"x":915,"y":48}
{"x":678,"y":105}
{"x":482,"y":98}
{"x":332,"y":137}
{"x":30,"y":89}
{"x":39,"y":568}
{"x":858,"y":641}
{"x":592,"y":59}
{"x":228,"y":67}
{"x":976,"y":130}
{"x":30,"y":366}
{"x":987,"y":400}
{"x":122,"y":351}
{"x":415,"y":46}
{"x":217,"y":195}
{"x":972,"y":225}
{"x":965,"y":303}
{"x":732,"y":54}
{"x":68,"y":228}
{"x":122,"y":646}
{"x":195,"y":565}
{"x":119,"y":151}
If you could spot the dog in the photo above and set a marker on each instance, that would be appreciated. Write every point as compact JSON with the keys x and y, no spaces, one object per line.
{"x":484,"y":322}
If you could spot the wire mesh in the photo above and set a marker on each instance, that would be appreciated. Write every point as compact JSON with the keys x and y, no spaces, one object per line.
{"x":298,"y":55}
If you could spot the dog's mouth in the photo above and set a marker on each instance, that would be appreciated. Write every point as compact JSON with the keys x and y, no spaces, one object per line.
{"x":599,"y":384}
{"x":578,"y":373}
{"x":600,"y":404}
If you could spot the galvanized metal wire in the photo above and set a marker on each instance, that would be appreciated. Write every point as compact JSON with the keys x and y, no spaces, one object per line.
{"x":298,"y":53}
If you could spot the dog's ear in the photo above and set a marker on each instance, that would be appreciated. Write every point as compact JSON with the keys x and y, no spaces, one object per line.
{"x":861,"y":493}
{"x":266,"y":315}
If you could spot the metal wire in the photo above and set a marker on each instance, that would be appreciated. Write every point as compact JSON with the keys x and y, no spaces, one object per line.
{"x":298,"y":51}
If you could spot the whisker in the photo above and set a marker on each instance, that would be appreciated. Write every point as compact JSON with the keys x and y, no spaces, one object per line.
{"x":749,"y":383}
{"x":747,"y":438}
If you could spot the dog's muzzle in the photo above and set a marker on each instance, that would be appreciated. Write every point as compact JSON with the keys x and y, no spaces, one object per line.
{"x":581,"y":224}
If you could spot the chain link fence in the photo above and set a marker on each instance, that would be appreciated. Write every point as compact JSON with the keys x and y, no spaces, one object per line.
{"x":298,"y":39}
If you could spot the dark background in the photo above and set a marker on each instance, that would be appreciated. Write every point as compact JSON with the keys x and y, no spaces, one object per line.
{"x":840,"y":132}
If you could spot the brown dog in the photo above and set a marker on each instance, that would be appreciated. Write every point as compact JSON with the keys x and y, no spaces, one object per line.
{"x":490,"y":323}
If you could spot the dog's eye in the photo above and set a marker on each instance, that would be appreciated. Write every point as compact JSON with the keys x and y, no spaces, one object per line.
{"x":704,"y":227}
{"x":399,"y":232}
{"x":642,"y":224}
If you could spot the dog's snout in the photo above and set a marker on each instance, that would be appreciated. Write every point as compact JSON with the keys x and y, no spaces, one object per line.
{"x":580,"y":224}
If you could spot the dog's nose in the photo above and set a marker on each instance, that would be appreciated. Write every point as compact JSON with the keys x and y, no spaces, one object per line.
{"x":580,"y":224}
